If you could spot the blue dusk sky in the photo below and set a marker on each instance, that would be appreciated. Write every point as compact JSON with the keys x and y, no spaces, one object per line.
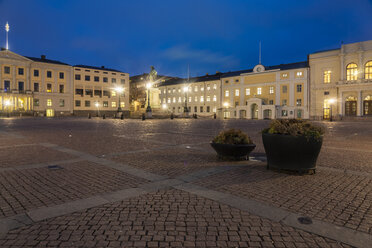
{"x":209,"y":35}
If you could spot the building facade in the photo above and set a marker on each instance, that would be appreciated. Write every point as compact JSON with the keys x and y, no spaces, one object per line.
{"x":100,"y":90}
{"x":200,"y":95}
{"x":267,"y":92}
{"x":341,"y":81}
{"x":37,"y":86}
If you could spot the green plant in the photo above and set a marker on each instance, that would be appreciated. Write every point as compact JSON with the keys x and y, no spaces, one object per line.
{"x":295,"y":127}
{"x":233,"y":137}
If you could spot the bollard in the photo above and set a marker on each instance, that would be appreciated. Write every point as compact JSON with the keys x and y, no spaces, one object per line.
{"x":89,"y":116}
{"x":143,"y":117}
{"x":122,"y":116}
{"x":171,"y":116}
{"x":104,"y":116}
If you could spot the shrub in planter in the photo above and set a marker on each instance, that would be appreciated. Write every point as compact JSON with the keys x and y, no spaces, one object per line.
{"x":232,"y":144}
{"x":292,"y":144}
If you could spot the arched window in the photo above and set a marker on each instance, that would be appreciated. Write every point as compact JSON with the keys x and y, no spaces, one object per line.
{"x":351,"y":72}
{"x":368,"y":70}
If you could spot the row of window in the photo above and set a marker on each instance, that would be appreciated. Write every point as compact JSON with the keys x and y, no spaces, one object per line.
{"x":96,"y":79}
{"x":49,"y":102}
{"x":180,"y":99}
{"x":196,"y":89}
{"x":201,"y":109}
{"x":105,"y":104}
{"x":90,"y":92}
{"x":21,"y":71}
{"x":21,"y":87}
{"x":259,"y":90}
{"x":352,"y":72}
{"x":105,"y":72}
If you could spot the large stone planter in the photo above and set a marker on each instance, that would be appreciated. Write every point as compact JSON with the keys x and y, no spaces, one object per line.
{"x":295,"y":153}
{"x":233,"y":152}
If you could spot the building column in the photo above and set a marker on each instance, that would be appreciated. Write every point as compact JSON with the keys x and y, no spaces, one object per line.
{"x":360,"y":66}
{"x":277,"y":94}
{"x":342,"y":63}
{"x":341,"y":104}
{"x":359,"y":104}
{"x":291,"y":94}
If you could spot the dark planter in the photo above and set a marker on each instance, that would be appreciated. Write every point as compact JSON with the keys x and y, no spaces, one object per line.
{"x":295,"y":153}
{"x":233,"y":152}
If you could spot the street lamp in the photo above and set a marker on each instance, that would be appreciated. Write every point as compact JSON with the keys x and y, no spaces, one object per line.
{"x":185,"y":90}
{"x":119,"y":90}
{"x":226,"y":105}
{"x":164,"y":106}
{"x":331,"y":102}
{"x":148,"y":87}
{"x":7,"y":106}
{"x":97,"y":106}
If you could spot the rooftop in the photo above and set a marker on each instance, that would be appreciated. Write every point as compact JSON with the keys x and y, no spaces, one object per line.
{"x":97,"y":68}
{"x":42,"y":59}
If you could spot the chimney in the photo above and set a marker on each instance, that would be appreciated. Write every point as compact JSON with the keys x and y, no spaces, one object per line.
{"x":103,"y":67}
{"x":42,"y":57}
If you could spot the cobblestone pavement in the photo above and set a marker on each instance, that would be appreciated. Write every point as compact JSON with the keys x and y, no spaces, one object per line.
{"x":122,"y":183}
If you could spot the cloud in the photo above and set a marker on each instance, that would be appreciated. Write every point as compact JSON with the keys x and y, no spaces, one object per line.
{"x":184,"y":52}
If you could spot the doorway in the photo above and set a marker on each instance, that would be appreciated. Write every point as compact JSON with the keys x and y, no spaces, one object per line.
{"x":254,"y":111}
{"x":49,"y":112}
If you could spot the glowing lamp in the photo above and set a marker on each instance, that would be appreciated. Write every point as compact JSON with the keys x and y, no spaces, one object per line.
{"x":226,"y":104}
{"x":119,"y":89}
{"x":148,"y":85}
{"x":164,"y":106}
{"x":332,"y":101}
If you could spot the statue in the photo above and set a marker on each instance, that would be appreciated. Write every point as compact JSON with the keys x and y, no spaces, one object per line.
{"x":152,"y":75}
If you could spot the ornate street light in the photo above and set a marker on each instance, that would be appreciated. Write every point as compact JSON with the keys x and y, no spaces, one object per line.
{"x":148,"y":87}
{"x":331,"y":102}
{"x":185,"y":90}
{"x":119,"y":90}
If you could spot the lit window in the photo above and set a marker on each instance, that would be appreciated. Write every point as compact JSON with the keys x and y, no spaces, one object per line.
{"x":368,"y":70}
{"x":208,"y":87}
{"x":299,"y":88}
{"x":351,"y":72}
{"x":214,"y":109}
{"x":179,"y":90}
{"x":169,"y":91}
{"x":196,"y":88}
{"x":113,"y":104}
{"x":236,"y":92}
{"x":190,"y":98}
{"x":174,"y":90}
{"x":208,"y":98}
{"x":113,"y":93}
{"x":214,"y":98}
{"x":214,"y":86}
{"x":284,"y":75}
{"x":284,"y":113}
{"x":327,"y":77}
{"x":49,"y":102}
{"x":169,"y":100}
{"x":299,"y":74}
{"x":163,"y":100}
{"x":49,"y":88}
{"x":298,"y":102}
{"x":202,"y":88}
{"x":122,"y":104}
{"x":196,"y":99}
{"x":226,"y":93}
{"x":271,"y":90}
{"x":174,"y":99}
{"x":247,"y":92}
{"x":61,"y":102}
{"x":179,"y":99}
{"x":202,"y":99}
{"x":164,"y":91}
{"x":259,"y":91}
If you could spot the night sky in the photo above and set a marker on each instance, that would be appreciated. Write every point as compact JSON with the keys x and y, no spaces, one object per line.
{"x":209,"y":35}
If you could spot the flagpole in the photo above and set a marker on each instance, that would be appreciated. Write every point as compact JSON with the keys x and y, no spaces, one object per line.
{"x":7,"y":31}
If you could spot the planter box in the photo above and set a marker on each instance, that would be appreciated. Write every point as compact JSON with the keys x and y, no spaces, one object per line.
{"x":233,"y":152}
{"x":295,"y":153}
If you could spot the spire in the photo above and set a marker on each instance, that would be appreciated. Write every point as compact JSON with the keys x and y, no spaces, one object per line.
{"x":7,"y":31}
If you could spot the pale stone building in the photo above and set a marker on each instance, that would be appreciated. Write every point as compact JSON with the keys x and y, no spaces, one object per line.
{"x":341,"y":81}
{"x":266,"y":92}
{"x":200,"y":95}
{"x":32,"y":85}
{"x":98,"y":90}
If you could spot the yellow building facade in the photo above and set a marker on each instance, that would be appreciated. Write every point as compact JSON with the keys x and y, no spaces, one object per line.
{"x":100,"y":90}
{"x":341,"y":81}
{"x":32,"y":85}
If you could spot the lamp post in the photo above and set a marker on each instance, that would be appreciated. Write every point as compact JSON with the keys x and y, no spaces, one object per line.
{"x":119,"y":90}
{"x":7,"y":106}
{"x":148,"y":109}
{"x":226,"y":105}
{"x":331,"y":102}
{"x":97,"y":106}
{"x":185,"y":109}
